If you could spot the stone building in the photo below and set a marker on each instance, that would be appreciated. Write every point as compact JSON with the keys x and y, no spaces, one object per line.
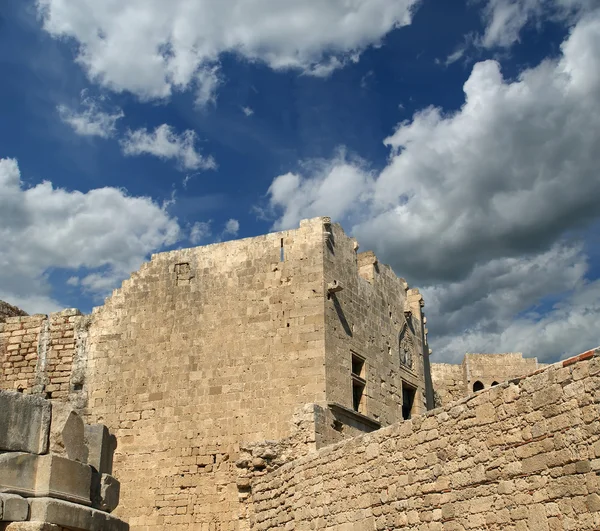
{"x":476,"y":372}
{"x":283,"y":382}
{"x":204,"y":354}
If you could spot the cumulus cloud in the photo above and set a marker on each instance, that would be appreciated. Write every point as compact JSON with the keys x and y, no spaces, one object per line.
{"x":493,"y":185}
{"x":104,"y":231}
{"x":165,"y":143}
{"x":91,"y":119}
{"x":151,"y":49}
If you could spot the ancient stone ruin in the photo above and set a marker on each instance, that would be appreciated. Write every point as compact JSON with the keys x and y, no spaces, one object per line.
{"x":284,"y":382}
{"x":55,"y":471}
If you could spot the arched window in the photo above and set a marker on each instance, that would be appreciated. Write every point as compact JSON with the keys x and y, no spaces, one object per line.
{"x":477,"y":386}
{"x":494,"y":383}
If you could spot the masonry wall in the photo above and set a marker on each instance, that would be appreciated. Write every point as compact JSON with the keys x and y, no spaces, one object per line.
{"x":201,"y":351}
{"x":448,"y":382}
{"x":518,"y":456}
{"x":490,"y":368}
{"x":40,"y":354}
{"x":374,"y":316}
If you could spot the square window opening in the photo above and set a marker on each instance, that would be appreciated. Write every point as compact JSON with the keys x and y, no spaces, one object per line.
{"x":358,"y":365}
{"x":358,"y":396}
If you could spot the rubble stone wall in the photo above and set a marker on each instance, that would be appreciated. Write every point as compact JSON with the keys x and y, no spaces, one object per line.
{"x":521,"y":455}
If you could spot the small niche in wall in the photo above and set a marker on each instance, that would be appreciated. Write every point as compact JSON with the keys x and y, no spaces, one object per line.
{"x":477,"y":386}
{"x":281,"y":252}
{"x":183,"y":273}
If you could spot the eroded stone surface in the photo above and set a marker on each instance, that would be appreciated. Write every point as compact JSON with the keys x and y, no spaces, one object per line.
{"x":24,"y":422}
{"x":101,"y":446}
{"x":45,"y":475}
{"x":73,"y":516}
{"x":67,"y":433}
{"x":14,"y":508}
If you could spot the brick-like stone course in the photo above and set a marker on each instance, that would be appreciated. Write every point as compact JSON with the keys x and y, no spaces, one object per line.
{"x":37,"y":353}
{"x":523,"y":455}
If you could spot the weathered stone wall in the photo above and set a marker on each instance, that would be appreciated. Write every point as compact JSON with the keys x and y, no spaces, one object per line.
{"x":19,"y":338}
{"x":202,"y":351}
{"x":448,"y":382}
{"x":39,"y":354}
{"x":376,"y":317}
{"x":217,"y":364}
{"x":8,"y":310}
{"x":476,"y":372}
{"x":521,"y":455}
{"x":490,"y":368}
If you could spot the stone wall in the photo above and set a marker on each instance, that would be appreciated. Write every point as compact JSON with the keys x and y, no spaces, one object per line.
{"x":495,"y":368}
{"x":41,"y":354}
{"x":8,"y":310}
{"x":201,"y":352}
{"x":217,"y":364}
{"x":371,"y":314}
{"x":522,"y":455}
{"x":448,"y":382}
{"x":476,"y":372}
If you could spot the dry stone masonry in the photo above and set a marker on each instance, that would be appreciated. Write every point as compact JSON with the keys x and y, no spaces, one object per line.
{"x":283,"y":382}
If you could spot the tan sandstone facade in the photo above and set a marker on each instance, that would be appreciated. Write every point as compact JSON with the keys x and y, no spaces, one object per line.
{"x":205,"y":353}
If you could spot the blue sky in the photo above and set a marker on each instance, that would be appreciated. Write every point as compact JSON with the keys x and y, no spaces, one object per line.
{"x":458,"y":139}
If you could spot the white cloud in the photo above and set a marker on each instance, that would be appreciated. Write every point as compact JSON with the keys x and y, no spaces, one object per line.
{"x":164,"y":143}
{"x":505,"y":19}
{"x":232,"y":227}
{"x":494,"y":185}
{"x":105,"y":231}
{"x":153,"y":48}
{"x":247,"y":111}
{"x":335,"y":187}
{"x":92,"y":120}
{"x":200,"y":231}
{"x":208,"y":81}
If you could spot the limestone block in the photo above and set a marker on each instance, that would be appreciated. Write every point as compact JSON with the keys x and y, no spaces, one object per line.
{"x":73,"y":516}
{"x":105,"y":492}
{"x":45,"y":475}
{"x":13,"y":508}
{"x":67,"y":433}
{"x":24,"y":423}
{"x":101,"y":446}
{"x":31,"y":526}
